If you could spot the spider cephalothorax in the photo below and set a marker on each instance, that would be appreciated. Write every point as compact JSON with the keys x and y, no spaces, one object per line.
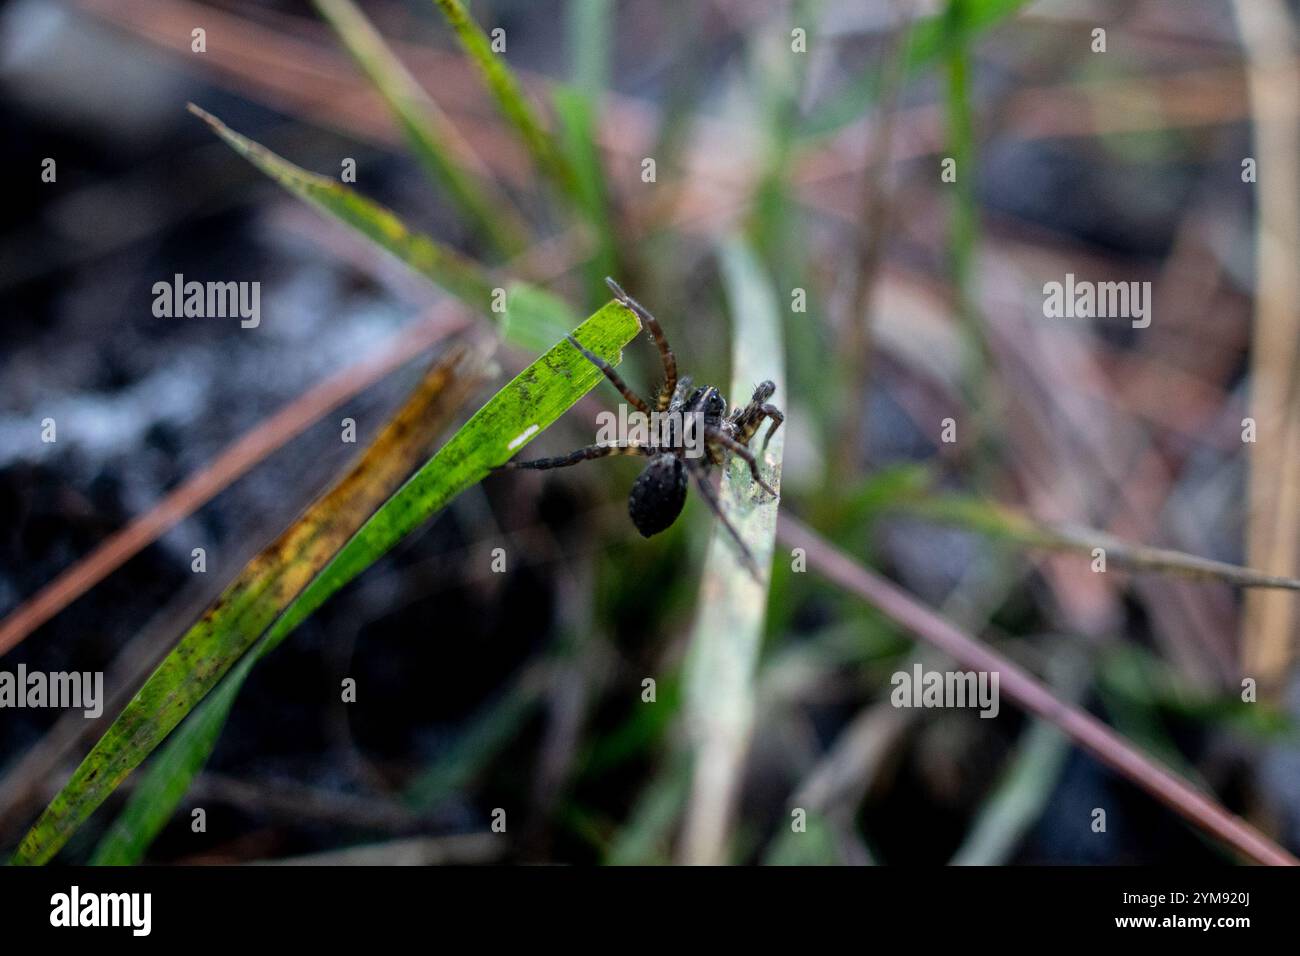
{"x":658,"y":495}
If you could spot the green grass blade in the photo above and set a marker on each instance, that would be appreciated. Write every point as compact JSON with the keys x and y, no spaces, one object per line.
{"x":425,"y":126}
{"x":931,"y":42}
{"x":441,"y":264}
{"x":1025,"y":786}
{"x":645,"y":839}
{"x":729,"y":625}
{"x":533,"y":319}
{"x":188,"y":749}
{"x":488,"y":732}
{"x":510,"y":99}
{"x":577,"y":107}
{"x":531,"y":402}
{"x":1019,"y":799}
{"x":577,"y":117}
{"x":262,"y":589}
{"x":964,"y":229}
{"x":814,"y":846}
{"x":171,"y":773}
{"x":777,"y":80}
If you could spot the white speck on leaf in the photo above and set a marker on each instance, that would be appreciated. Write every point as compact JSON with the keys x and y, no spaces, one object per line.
{"x":529,"y":432}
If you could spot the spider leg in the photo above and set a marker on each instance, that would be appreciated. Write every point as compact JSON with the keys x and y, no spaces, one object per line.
{"x":778,"y":418}
{"x":715,"y":505}
{"x":736,"y":448}
{"x":632,"y":397}
{"x":661,"y":342}
{"x":590,"y":453}
{"x":746,"y":421}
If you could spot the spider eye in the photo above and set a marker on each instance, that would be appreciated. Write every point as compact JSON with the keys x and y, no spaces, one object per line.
{"x":715,"y":406}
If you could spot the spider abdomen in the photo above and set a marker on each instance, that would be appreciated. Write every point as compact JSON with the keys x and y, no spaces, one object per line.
{"x":658,"y":495}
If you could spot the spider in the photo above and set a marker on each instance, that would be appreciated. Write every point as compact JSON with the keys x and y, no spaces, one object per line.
{"x":659,"y":493}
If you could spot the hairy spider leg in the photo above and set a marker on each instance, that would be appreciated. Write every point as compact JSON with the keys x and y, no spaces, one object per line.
{"x":738,"y":449}
{"x":590,"y":453}
{"x":711,"y":499}
{"x":661,"y":342}
{"x":746,"y":421}
{"x":633,"y":398}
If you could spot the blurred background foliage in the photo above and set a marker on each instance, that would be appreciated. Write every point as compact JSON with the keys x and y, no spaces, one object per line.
{"x":810,"y":134}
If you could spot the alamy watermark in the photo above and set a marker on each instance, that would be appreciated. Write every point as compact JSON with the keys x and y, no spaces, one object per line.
{"x":1083,"y":299}
{"x":208,"y":300}
{"x":133,"y":911}
{"x":683,"y":430}
{"x":59,"y":689}
{"x":922,"y":688}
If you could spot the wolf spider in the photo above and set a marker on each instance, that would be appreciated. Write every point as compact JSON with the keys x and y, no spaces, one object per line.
{"x":658,"y":495}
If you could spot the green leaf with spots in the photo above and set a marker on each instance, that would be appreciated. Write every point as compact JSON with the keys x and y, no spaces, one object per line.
{"x":519,"y":412}
{"x":262,"y":589}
